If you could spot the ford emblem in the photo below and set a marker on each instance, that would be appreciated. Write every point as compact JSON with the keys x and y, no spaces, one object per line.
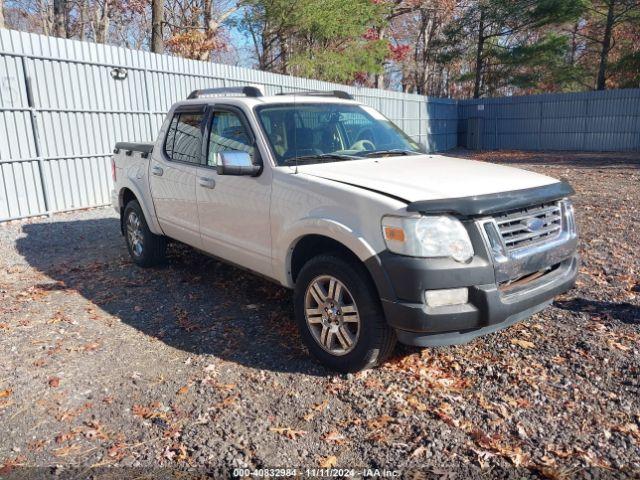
{"x":534,"y":224}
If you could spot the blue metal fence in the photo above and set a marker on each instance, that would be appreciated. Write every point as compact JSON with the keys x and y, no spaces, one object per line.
{"x":587,"y":121}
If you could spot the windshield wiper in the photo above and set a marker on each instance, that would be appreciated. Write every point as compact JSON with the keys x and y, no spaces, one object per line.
{"x":382,"y":153}
{"x":319,"y":157}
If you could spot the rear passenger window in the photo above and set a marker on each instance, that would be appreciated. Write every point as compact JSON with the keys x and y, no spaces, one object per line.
{"x":184,"y":138}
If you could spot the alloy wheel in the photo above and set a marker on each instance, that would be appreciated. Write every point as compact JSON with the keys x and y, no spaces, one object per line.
{"x":134,"y":233}
{"x":332,"y":315}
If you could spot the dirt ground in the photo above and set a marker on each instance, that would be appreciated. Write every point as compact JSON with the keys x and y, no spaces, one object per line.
{"x":197,"y":366}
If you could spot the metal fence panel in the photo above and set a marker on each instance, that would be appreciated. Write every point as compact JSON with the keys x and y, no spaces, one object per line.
{"x":596,"y":121}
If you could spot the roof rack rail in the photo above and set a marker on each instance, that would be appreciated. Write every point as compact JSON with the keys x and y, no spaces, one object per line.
{"x":249,"y":91}
{"x":322,"y":93}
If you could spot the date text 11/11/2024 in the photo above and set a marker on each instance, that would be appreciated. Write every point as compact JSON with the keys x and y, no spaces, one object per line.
{"x":316,"y":473}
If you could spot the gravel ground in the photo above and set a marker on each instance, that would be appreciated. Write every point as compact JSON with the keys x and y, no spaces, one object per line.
{"x":197,"y":365}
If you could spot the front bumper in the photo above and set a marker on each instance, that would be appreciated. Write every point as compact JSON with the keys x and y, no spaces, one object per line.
{"x":489,"y":309}
{"x":502,"y":289}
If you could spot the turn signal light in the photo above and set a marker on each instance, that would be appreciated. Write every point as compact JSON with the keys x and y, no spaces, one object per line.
{"x":394,"y":233}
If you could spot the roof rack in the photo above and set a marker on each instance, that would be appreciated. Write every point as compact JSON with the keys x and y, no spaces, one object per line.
{"x":321,"y":93}
{"x":249,"y":91}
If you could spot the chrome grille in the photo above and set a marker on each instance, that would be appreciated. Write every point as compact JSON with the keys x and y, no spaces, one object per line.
{"x":530,"y":226}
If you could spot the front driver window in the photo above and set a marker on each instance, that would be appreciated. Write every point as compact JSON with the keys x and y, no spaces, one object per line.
{"x":227,"y":133}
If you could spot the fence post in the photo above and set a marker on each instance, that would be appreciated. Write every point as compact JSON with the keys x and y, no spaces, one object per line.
{"x":426,"y":142}
{"x":540,"y":127}
{"x":36,"y":135}
{"x":148,"y":103}
{"x":404,"y":128}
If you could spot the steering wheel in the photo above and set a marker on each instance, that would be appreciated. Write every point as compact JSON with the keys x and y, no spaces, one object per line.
{"x":363,"y":145}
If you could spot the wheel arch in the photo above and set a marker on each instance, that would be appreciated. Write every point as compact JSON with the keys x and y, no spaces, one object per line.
{"x":130,"y":192}
{"x":310,"y":245}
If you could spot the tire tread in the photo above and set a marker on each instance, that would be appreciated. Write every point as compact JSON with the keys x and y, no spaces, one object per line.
{"x":155,"y":246}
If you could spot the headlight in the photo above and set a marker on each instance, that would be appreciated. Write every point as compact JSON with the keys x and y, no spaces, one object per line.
{"x":429,"y":236}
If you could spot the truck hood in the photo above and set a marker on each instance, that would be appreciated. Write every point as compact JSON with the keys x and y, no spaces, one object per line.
{"x":427,"y":177}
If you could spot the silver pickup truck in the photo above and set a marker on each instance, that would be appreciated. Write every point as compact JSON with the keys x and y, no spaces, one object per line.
{"x":378,"y":239}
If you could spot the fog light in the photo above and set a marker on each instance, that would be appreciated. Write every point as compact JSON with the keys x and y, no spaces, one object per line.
{"x":450,"y":296}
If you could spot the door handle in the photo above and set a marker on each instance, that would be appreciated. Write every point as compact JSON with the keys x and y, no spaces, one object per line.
{"x":207,"y":182}
{"x":157,"y":170}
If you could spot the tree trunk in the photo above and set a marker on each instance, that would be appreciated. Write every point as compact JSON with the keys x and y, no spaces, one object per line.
{"x":83,"y":20}
{"x":2,"y":24}
{"x":379,"y":77}
{"x":60,"y":18}
{"x":284,"y":55}
{"x":606,"y":46}
{"x":574,"y":43}
{"x":206,"y":13}
{"x":157,"y":17}
{"x":481,"y":38}
{"x":102,"y":23}
{"x":426,"y":27}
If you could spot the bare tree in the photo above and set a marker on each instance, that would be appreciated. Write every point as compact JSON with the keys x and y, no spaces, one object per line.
{"x":157,"y":17}
{"x":196,"y":26}
{"x":60,"y":18}
{"x":101,"y":21}
{"x":613,"y":13}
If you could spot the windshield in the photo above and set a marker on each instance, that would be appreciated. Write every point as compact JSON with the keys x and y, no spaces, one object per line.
{"x":321,"y":132}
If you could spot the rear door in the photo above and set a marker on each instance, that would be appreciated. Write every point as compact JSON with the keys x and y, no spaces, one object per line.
{"x":234,"y":210}
{"x":173,"y":173}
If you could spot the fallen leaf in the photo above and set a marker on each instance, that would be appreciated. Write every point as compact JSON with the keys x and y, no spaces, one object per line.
{"x":147,"y":412}
{"x":419,"y":452}
{"x":176,"y":453}
{"x":54,"y":382}
{"x":523,"y":343}
{"x":10,"y":464}
{"x":36,"y":445}
{"x":65,"y":437}
{"x":117,"y":451}
{"x":619,"y":346}
{"x":66,"y":451}
{"x":288,"y":432}
{"x":417,"y":404}
{"x":379,"y":422}
{"x":328,"y":462}
{"x":315,"y":409}
{"x":226,"y":402}
{"x":5,"y":393}
{"x":335,"y":437}
{"x":183,"y":390}
{"x":90,"y":347}
{"x":630,"y":429}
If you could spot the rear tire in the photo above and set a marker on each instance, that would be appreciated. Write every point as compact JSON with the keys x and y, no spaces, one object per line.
{"x":339,"y":315}
{"x":145,"y":248}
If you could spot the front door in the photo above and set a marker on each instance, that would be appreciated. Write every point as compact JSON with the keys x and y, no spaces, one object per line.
{"x":173,"y":173}
{"x":234,"y":210}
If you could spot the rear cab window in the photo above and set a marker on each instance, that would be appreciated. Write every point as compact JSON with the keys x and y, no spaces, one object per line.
{"x":184,"y":138}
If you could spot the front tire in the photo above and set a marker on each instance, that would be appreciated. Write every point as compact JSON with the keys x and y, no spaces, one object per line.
{"x":145,"y":248}
{"x":339,"y":315}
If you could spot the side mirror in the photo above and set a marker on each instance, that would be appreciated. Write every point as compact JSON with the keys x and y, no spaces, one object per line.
{"x":236,"y":163}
